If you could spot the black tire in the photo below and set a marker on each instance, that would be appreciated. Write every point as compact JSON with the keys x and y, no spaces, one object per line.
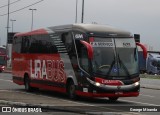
{"x":113,"y":99}
{"x":150,"y":73}
{"x":71,"y":89}
{"x":141,"y":72}
{"x":28,"y":88}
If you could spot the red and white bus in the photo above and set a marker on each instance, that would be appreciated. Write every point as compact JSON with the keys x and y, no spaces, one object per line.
{"x":80,"y":60}
{"x":3,"y":58}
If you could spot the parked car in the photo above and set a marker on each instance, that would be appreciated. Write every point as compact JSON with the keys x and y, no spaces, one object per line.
{"x":153,"y":64}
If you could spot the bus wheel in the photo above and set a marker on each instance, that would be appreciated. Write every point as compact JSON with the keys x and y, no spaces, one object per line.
{"x":27,"y":84}
{"x":113,"y":98}
{"x":71,"y":90}
{"x":150,"y":73}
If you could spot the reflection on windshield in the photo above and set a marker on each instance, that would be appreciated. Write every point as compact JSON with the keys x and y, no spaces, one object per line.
{"x":102,"y":61}
{"x":129,"y":61}
{"x":115,"y":61}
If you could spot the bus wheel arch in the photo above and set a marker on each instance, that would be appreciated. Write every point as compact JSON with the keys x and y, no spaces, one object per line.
{"x":150,"y":73}
{"x":71,"y":88}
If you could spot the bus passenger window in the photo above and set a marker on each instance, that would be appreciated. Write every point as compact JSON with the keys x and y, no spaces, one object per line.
{"x":17,"y":44}
{"x":33,"y":47}
{"x":25,"y":44}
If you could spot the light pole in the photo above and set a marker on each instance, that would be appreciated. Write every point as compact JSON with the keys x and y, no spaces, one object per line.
{"x":7,"y":52}
{"x":82,"y":11}
{"x":76,"y":10}
{"x":32,"y":18}
{"x":12,"y":24}
{"x":8,"y":22}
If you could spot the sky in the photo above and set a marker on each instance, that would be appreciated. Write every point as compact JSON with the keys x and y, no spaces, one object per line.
{"x":137,"y":16}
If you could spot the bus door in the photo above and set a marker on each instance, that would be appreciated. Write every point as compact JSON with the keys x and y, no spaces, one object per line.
{"x":83,"y":68}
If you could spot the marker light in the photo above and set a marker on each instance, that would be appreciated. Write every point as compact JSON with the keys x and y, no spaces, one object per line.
{"x":91,"y":39}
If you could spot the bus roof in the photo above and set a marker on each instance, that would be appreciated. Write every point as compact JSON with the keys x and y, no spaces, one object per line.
{"x":94,"y":29}
{"x":35,"y":32}
{"x":91,"y":29}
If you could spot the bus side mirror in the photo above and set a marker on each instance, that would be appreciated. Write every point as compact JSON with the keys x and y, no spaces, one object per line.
{"x":143,"y":48}
{"x":89,"y":49}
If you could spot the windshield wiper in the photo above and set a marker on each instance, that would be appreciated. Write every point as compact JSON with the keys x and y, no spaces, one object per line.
{"x":121,"y":63}
{"x":109,"y":71}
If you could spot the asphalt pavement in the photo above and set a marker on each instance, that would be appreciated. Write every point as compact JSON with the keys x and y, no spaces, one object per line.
{"x":150,"y":83}
{"x":145,"y":83}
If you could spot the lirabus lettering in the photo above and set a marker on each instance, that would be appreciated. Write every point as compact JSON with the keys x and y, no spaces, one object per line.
{"x":47,"y":69}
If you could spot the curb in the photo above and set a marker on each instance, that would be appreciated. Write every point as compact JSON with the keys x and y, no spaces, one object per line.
{"x":54,"y":108}
{"x":7,"y":71}
{"x":42,"y":106}
{"x":150,"y":87}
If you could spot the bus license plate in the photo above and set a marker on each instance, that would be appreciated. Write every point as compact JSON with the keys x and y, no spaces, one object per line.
{"x":118,"y":93}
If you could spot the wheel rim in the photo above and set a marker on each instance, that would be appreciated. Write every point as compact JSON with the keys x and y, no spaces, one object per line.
{"x":26,"y":84}
{"x":72,"y":91}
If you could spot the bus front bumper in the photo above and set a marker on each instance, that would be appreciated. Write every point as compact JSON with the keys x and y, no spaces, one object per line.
{"x":101,"y":90}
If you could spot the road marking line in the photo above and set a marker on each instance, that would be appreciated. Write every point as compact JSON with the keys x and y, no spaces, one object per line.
{"x":147,"y":95}
{"x":6,"y":80}
{"x":139,"y":102}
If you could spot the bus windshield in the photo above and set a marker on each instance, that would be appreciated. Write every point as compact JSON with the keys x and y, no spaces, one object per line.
{"x":115,"y":57}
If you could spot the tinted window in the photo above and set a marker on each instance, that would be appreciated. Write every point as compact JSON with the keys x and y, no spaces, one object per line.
{"x":38,"y":44}
{"x":68,"y":41}
{"x":17,"y":44}
{"x":25,"y":44}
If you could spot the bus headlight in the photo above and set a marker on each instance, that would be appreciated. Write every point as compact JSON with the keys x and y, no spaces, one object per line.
{"x":97,"y":84}
{"x":136,"y":83}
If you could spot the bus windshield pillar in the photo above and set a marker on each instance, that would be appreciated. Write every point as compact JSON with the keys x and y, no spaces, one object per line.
{"x":89,"y":49}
